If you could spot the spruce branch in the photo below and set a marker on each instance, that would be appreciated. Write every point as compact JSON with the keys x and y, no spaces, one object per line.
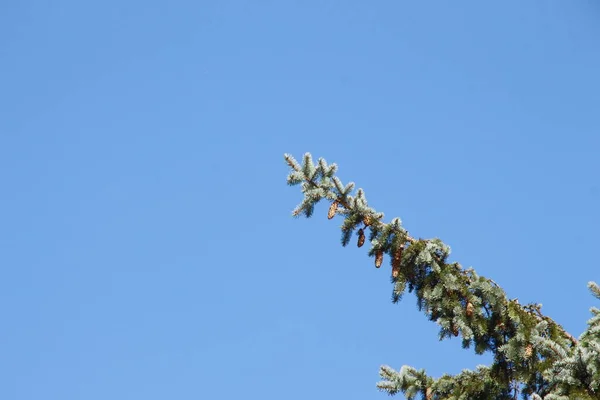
{"x":533,"y":355}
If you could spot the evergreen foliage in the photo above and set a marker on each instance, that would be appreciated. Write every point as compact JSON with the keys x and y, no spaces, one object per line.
{"x":533,"y":356}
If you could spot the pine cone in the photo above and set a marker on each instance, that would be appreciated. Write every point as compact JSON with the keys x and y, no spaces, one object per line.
{"x":332,"y":209}
{"x":454,"y":330}
{"x":361,"y":238}
{"x":397,"y":260}
{"x":528,"y":350}
{"x":428,"y":394}
{"x":469,"y":309}
{"x":378,"y":258}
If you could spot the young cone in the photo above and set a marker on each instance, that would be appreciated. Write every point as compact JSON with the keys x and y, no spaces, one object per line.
{"x":378,"y":258}
{"x":396,"y":261}
{"x":332,"y":209}
{"x":528,"y":351}
{"x":469,"y":309}
{"x":361,"y":238}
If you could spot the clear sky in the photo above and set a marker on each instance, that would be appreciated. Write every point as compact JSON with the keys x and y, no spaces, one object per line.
{"x":147,"y":248}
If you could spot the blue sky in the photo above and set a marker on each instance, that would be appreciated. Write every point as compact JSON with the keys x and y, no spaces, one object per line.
{"x":147,"y":245}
